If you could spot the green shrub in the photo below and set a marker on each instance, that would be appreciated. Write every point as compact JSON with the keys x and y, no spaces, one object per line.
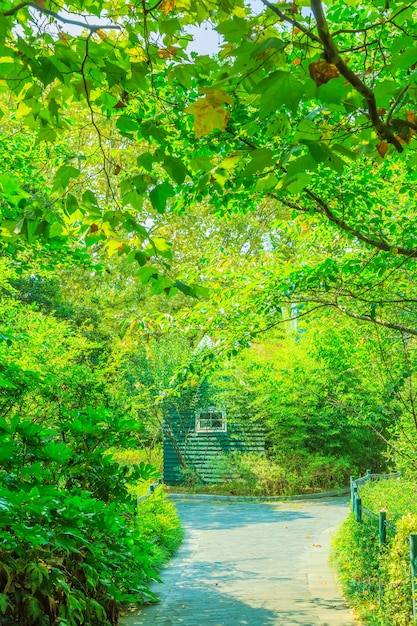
{"x":135,"y":456}
{"x":317,"y":472}
{"x":395,"y":568}
{"x":158,"y":523}
{"x":364,"y":567}
{"x":356,"y":559}
{"x":257,"y":475}
{"x":254,"y":475}
{"x":70,"y":552}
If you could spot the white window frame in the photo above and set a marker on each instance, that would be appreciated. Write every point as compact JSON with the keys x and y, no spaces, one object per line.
{"x":210,"y":429}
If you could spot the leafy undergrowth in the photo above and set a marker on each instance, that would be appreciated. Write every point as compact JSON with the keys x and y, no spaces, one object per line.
{"x":133,"y":457}
{"x":375,"y":580}
{"x":251,"y":474}
{"x":74,"y":545}
{"x":158,"y":523}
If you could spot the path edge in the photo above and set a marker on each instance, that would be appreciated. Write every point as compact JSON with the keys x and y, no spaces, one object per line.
{"x":343,"y":491}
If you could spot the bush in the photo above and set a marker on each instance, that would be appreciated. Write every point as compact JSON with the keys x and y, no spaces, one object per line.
{"x":70,"y":552}
{"x":395,"y":568}
{"x":256,"y":475}
{"x":363,"y":566}
{"x":316,"y":472}
{"x":158,"y":523}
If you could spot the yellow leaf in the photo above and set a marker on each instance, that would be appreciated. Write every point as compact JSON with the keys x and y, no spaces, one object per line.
{"x":113,"y":247}
{"x":167,"y":6}
{"x":230,"y":163}
{"x":101,"y":34}
{"x":208,"y":113}
{"x":137,"y":54}
{"x":23,"y":110}
{"x":216,"y":97}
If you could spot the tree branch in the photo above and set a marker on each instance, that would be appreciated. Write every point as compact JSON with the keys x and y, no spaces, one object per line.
{"x":375,"y":243}
{"x":358,"y":316}
{"x":290,"y":20}
{"x":288,"y":319}
{"x":91,"y":27}
{"x":333,"y":57}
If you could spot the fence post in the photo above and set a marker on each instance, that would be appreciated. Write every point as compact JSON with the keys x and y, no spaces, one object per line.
{"x":368,"y":472}
{"x":413,"y":555}
{"x":354,"y":496}
{"x":358,"y":508}
{"x":351,"y":481}
{"x":382,"y":528}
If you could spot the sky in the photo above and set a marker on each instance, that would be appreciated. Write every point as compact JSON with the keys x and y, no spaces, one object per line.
{"x":205,"y":39}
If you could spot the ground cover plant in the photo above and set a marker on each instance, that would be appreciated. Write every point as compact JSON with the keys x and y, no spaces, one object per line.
{"x":376,"y":580}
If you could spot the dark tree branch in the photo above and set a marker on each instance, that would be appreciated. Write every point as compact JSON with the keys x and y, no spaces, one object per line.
{"x":333,"y":57}
{"x":290,"y":20}
{"x":325,"y":210}
{"x":91,"y":27}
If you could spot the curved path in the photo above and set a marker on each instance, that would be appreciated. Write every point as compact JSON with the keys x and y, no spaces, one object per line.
{"x":251,"y":564}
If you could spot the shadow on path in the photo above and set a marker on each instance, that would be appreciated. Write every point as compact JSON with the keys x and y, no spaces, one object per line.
{"x":251,"y":564}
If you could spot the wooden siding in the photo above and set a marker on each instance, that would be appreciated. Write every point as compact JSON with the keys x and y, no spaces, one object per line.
{"x":201,"y":451}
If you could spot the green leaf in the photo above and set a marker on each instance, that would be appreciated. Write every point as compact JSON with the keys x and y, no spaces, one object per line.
{"x":234,"y":29}
{"x":404,"y":60}
{"x":127,"y":124}
{"x":176,"y":169}
{"x":321,"y":153}
{"x":63,"y":176}
{"x":146,"y":273}
{"x":281,"y":88}
{"x":260,"y":159}
{"x":159,"y":196}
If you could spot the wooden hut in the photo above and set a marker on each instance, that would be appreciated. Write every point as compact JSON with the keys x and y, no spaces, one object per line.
{"x":199,"y":429}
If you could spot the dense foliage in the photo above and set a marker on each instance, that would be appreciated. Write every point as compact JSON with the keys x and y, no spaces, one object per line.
{"x":73,"y":548}
{"x":377,"y":580}
{"x":253,"y":169}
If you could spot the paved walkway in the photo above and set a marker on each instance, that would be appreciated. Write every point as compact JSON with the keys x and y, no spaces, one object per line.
{"x":251,"y":564}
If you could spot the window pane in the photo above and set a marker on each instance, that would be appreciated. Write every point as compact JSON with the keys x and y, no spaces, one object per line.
{"x":216,"y":423}
{"x":205,"y":423}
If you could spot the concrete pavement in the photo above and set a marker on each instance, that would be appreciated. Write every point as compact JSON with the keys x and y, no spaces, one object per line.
{"x":251,"y":564}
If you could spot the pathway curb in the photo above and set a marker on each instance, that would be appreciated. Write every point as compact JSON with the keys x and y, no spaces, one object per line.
{"x":343,"y":491}
{"x":331,"y":608}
